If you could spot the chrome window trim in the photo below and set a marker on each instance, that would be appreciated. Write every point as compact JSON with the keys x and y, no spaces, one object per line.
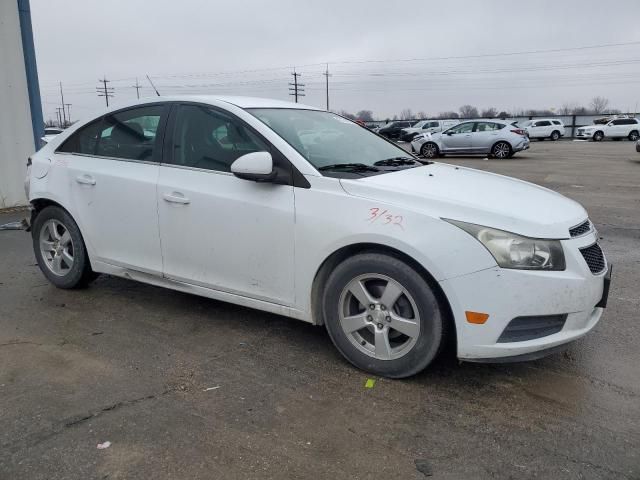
{"x":104,"y":157}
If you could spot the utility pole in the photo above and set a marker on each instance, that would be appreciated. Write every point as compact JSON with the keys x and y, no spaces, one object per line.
{"x":64,"y":116}
{"x":68,"y":105}
{"x":298,"y":88}
{"x":137,"y":86}
{"x":327,"y":75}
{"x":59,"y":116}
{"x":104,"y":90}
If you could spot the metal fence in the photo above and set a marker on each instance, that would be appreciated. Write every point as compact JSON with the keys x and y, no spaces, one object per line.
{"x":571,"y":122}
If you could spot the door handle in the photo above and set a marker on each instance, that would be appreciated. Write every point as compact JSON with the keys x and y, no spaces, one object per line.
{"x":176,"y":197}
{"x":86,"y":179}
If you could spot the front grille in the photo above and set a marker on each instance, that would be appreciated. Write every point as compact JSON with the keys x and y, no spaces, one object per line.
{"x":595,"y":258}
{"x":581,"y":229}
{"x":521,"y":329}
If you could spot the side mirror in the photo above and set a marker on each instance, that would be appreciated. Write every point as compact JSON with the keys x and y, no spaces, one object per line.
{"x":255,"y":166}
{"x":449,"y":133}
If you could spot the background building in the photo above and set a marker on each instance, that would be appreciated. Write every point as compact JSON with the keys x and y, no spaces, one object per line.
{"x":21,"y":125}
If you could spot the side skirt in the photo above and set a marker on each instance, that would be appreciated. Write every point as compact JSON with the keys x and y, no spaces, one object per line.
{"x":201,"y":291}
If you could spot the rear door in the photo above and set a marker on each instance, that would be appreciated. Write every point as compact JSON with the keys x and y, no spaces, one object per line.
{"x":219,"y":231}
{"x":113,"y":167}
{"x":485,"y":135}
{"x":458,"y":138}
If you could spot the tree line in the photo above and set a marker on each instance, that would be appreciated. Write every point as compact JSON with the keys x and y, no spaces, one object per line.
{"x":597,"y":106}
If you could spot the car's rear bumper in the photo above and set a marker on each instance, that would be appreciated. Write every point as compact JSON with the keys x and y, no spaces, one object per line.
{"x":575,"y":295}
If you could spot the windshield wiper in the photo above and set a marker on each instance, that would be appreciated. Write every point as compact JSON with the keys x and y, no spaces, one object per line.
{"x":355,"y":167}
{"x":396,"y":161}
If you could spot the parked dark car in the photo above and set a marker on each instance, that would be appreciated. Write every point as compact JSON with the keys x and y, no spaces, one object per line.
{"x":393,"y":130}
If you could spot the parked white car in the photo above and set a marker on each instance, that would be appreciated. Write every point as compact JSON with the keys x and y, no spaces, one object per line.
{"x":543,"y":128}
{"x":222,"y":197}
{"x":617,"y":128}
{"x":50,"y":133}
{"x":489,"y":137}
{"x":426,"y":126}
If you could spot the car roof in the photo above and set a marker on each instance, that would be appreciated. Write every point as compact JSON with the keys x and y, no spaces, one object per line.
{"x":238,"y":101}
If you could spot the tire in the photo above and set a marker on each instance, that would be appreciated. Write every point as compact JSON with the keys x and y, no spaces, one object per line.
{"x":501,"y":150}
{"x":555,"y":135}
{"x":429,"y":150}
{"x":60,"y":249}
{"x":633,"y":136}
{"x":365,"y":336}
{"x":598,"y":136}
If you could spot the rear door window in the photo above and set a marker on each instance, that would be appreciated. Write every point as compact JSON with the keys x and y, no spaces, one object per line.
{"x":131,"y":134}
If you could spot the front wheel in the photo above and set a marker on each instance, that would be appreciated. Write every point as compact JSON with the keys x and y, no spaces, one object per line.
{"x":429,"y":150}
{"x":633,"y":136}
{"x":60,"y":250}
{"x":501,"y":150}
{"x":598,"y":136}
{"x":382,"y":315}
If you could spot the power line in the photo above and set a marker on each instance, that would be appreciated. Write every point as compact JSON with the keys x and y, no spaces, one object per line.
{"x":298,"y":88}
{"x":104,"y":90}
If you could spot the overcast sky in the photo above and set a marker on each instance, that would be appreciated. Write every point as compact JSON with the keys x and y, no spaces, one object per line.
{"x":383,"y":55}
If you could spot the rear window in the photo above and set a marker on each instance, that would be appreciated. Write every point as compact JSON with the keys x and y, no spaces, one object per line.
{"x":556,"y":122}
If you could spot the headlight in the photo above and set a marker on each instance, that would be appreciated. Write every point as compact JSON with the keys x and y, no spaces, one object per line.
{"x":514,"y":251}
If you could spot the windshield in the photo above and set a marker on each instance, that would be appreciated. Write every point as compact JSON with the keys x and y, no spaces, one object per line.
{"x":325,"y":139}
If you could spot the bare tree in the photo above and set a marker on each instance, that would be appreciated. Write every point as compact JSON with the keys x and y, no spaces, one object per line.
{"x":365,"y":115}
{"x":406,"y":114}
{"x":599,"y":105}
{"x":468,"y":111}
{"x":489,"y":113}
{"x":448,"y":115}
{"x":421,"y":115}
{"x":348,"y":115}
{"x":503,"y":115}
{"x":567,"y":108}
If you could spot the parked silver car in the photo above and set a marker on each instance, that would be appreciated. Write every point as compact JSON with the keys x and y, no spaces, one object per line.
{"x":491,"y":137}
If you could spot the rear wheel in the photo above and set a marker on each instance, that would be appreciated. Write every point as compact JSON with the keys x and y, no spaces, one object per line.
{"x":60,"y":249}
{"x":429,"y":150}
{"x":633,"y":136}
{"x":598,"y":136}
{"x":501,"y":150}
{"x":555,"y":135}
{"x":382,"y":315}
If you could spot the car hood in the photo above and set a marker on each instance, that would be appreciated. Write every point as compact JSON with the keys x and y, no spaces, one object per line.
{"x":468,"y":195}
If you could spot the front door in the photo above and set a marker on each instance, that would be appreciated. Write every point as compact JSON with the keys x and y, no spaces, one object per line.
{"x":217,"y":230}
{"x":458,"y":138}
{"x":113,"y":167}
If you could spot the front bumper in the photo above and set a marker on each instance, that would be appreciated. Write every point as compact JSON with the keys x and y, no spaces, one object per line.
{"x":507,"y":294}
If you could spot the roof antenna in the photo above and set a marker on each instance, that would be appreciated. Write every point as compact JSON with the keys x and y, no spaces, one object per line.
{"x":154,"y":87}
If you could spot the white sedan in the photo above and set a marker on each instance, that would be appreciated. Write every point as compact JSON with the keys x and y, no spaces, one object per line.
{"x":300,"y":212}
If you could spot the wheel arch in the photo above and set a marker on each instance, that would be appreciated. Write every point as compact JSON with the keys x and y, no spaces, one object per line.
{"x":327,"y":266}
{"x":40,"y":203}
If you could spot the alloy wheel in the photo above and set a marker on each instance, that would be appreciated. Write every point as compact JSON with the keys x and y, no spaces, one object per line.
{"x":429,"y":150}
{"x":56,"y":247}
{"x":379,"y":316}
{"x":501,"y":150}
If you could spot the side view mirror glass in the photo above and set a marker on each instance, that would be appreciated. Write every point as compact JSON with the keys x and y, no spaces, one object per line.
{"x":255,"y":166}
